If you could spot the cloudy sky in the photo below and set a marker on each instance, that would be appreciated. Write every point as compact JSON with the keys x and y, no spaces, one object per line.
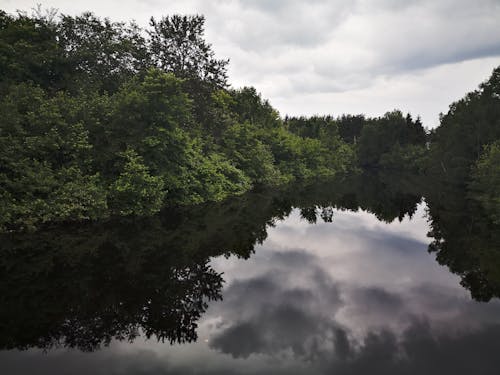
{"x":336,"y":56}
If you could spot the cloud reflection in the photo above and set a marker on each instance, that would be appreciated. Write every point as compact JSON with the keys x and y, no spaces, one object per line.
{"x":303,"y":305}
{"x":298,"y":307}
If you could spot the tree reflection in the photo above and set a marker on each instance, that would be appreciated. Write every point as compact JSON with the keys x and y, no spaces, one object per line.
{"x":83,"y":297}
{"x":464,"y":237}
{"x":83,"y":286}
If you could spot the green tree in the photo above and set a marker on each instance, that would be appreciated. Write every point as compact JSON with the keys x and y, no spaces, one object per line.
{"x":100,"y":118}
{"x":243,"y":146}
{"x":485,"y":185}
{"x":100,"y":54}
{"x":380,"y":135}
{"x":350,"y":127}
{"x":45,"y":159}
{"x":136,"y":191}
{"x":177,"y":45}
{"x":470,"y":124}
{"x":29,"y":51}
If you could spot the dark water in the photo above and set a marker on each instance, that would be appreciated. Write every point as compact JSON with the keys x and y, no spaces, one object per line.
{"x":335,"y":278}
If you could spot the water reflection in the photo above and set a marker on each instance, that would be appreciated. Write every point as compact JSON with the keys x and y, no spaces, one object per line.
{"x":381,"y":304}
{"x":249,"y":282}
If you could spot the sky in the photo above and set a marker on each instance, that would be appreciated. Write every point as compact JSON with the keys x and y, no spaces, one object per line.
{"x":336,"y":56}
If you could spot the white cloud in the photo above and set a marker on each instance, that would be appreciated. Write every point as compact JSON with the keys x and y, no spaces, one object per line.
{"x":424,"y":92}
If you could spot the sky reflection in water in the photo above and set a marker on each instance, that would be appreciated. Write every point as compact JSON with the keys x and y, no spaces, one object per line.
{"x":353,"y":296}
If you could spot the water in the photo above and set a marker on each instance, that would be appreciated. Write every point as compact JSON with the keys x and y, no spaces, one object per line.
{"x":254,"y":285}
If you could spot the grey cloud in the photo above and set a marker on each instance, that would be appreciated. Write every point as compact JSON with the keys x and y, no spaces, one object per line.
{"x":288,"y":313}
{"x":378,"y":299}
{"x":297,"y":281}
{"x":270,"y":332}
{"x":76,"y":363}
{"x":293,"y":307}
{"x":271,"y":26}
{"x":375,"y":238}
{"x":270,"y":313}
{"x":276,"y":6}
{"x":331,"y":47}
{"x":418,"y":351}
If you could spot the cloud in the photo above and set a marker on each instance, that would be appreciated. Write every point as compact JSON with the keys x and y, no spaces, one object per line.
{"x":418,"y":350}
{"x":289,"y":313}
{"x":273,"y":26}
{"x":289,"y":308}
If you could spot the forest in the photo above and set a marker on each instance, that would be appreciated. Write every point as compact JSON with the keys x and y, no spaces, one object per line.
{"x":103,"y":119}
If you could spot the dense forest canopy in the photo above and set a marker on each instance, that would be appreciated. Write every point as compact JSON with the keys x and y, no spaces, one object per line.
{"x":103,"y":118}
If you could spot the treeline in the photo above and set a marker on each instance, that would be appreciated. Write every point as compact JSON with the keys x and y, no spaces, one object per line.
{"x":464,"y":150}
{"x":102,"y":118}
{"x":393,"y":141}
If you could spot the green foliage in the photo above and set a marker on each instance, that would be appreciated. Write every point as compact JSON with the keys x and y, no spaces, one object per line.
{"x":153,"y":117}
{"x":136,"y":191}
{"x":463,"y":194}
{"x":102,"y":118}
{"x":319,"y":127}
{"x":242,"y":145}
{"x":214,"y":178}
{"x":350,"y":126}
{"x":485,"y":185}
{"x":470,"y":124}
{"x":380,"y":135}
{"x":248,"y":106}
{"x":29,"y":51}
{"x":465,"y":233}
{"x":386,"y":142}
{"x":409,"y":158}
{"x":45,"y":174}
{"x":297,"y":157}
{"x":177,"y":46}
{"x":100,"y":55}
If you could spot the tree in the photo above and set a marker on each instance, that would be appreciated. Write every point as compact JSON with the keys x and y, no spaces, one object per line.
{"x":350,"y":127}
{"x":177,"y":45}
{"x":45,"y":158}
{"x":380,"y":135}
{"x":470,"y":124}
{"x":99,"y":118}
{"x":100,"y":54}
{"x":242,"y":145}
{"x":29,"y":51}
{"x":136,"y":191}
{"x":485,"y":184}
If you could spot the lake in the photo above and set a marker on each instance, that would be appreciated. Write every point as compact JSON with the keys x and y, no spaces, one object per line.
{"x":339,"y":277}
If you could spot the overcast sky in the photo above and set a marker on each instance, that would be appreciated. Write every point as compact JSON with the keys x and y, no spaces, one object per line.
{"x":336,"y":56}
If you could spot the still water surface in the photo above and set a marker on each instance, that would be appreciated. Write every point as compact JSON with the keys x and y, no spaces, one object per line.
{"x":349,"y":294}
